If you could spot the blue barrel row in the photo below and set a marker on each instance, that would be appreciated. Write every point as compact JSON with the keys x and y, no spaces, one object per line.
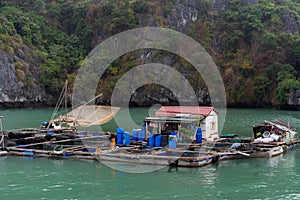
{"x":123,"y":137}
{"x":154,"y":140}
{"x":138,"y":134}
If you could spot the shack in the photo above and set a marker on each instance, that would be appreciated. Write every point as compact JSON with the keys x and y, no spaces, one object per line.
{"x":184,"y":120}
{"x":276,"y":130}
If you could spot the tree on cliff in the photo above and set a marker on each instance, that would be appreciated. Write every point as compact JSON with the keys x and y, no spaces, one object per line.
{"x":255,"y":44}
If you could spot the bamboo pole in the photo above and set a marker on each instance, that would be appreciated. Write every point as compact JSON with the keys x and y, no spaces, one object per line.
{"x":28,"y":150}
{"x":61,"y":141}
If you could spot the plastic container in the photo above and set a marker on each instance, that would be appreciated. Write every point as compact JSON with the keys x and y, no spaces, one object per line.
{"x":274,"y":137}
{"x":81,"y":133}
{"x":199,"y":135}
{"x":151,"y":140}
{"x":120,"y":130}
{"x":92,"y":150}
{"x":157,"y":139}
{"x":97,"y":134}
{"x":28,"y":153}
{"x":144,"y":143}
{"x":126,"y":138}
{"x":50,"y":132}
{"x":141,"y":135}
{"x":173,"y":133}
{"x":45,"y":124}
{"x":172,"y":141}
{"x":119,"y":138}
{"x":267,"y":140}
{"x":266,"y":134}
{"x":134,"y":135}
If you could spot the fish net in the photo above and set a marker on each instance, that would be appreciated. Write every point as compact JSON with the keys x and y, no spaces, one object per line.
{"x":89,"y":115}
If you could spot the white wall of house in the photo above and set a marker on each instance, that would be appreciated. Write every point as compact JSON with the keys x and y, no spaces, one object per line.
{"x":209,"y":126}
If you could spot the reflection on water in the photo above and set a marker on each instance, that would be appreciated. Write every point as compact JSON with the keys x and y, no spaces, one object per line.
{"x":132,"y":168}
{"x":274,"y":162}
{"x":262,"y":178}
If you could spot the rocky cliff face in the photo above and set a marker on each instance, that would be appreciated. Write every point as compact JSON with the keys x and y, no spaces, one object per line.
{"x":182,"y":17}
{"x":185,"y":16}
{"x":19,"y":71}
{"x":18,"y":79}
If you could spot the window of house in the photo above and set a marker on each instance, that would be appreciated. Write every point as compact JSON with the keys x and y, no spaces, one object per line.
{"x":213,"y":125}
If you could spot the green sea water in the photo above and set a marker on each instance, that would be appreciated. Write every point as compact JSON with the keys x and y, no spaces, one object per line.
{"x":264,"y":178}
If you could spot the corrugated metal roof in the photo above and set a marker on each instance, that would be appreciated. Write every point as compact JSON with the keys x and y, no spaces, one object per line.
{"x":171,"y":119}
{"x":192,"y":110}
{"x":282,"y":123}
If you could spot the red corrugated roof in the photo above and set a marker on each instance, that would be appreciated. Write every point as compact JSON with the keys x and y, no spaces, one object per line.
{"x":193,"y":110}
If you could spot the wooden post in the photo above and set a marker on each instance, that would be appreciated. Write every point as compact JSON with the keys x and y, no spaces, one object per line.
{"x":159,"y":128}
{"x":146,"y":129}
{"x":66,"y":100}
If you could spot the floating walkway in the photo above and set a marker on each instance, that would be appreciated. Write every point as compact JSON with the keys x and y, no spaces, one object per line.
{"x":92,"y":146}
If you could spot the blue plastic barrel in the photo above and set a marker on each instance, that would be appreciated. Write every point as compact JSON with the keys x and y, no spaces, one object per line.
{"x":172,"y":141}
{"x":157,"y":140}
{"x":199,"y":135}
{"x":134,"y":135}
{"x":50,"y":132}
{"x":120,"y":130}
{"x":126,"y":138}
{"x":28,"y":153}
{"x":45,"y":124}
{"x":92,"y":150}
{"x":151,"y":140}
{"x":173,"y":133}
{"x":81,"y":133}
{"x":141,"y":135}
{"x":97,"y":134}
{"x":119,"y":138}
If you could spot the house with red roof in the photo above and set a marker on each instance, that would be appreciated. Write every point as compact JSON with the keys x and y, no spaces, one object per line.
{"x":184,"y":120}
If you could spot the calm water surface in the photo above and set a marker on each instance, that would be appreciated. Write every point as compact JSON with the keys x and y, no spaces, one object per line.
{"x":37,"y":178}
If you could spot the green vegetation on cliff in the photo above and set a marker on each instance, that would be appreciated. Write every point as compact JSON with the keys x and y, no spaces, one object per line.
{"x":256,"y":44}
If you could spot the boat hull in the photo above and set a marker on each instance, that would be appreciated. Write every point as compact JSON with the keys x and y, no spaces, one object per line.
{"x":272,"y":152}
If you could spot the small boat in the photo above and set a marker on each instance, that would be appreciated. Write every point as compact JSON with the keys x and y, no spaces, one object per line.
{"x":270,"y":139}
{"x":275,"y":131}
{"x":253,"y":153}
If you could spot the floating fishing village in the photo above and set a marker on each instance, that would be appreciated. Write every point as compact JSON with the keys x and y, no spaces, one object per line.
{"x":183,"y":136}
